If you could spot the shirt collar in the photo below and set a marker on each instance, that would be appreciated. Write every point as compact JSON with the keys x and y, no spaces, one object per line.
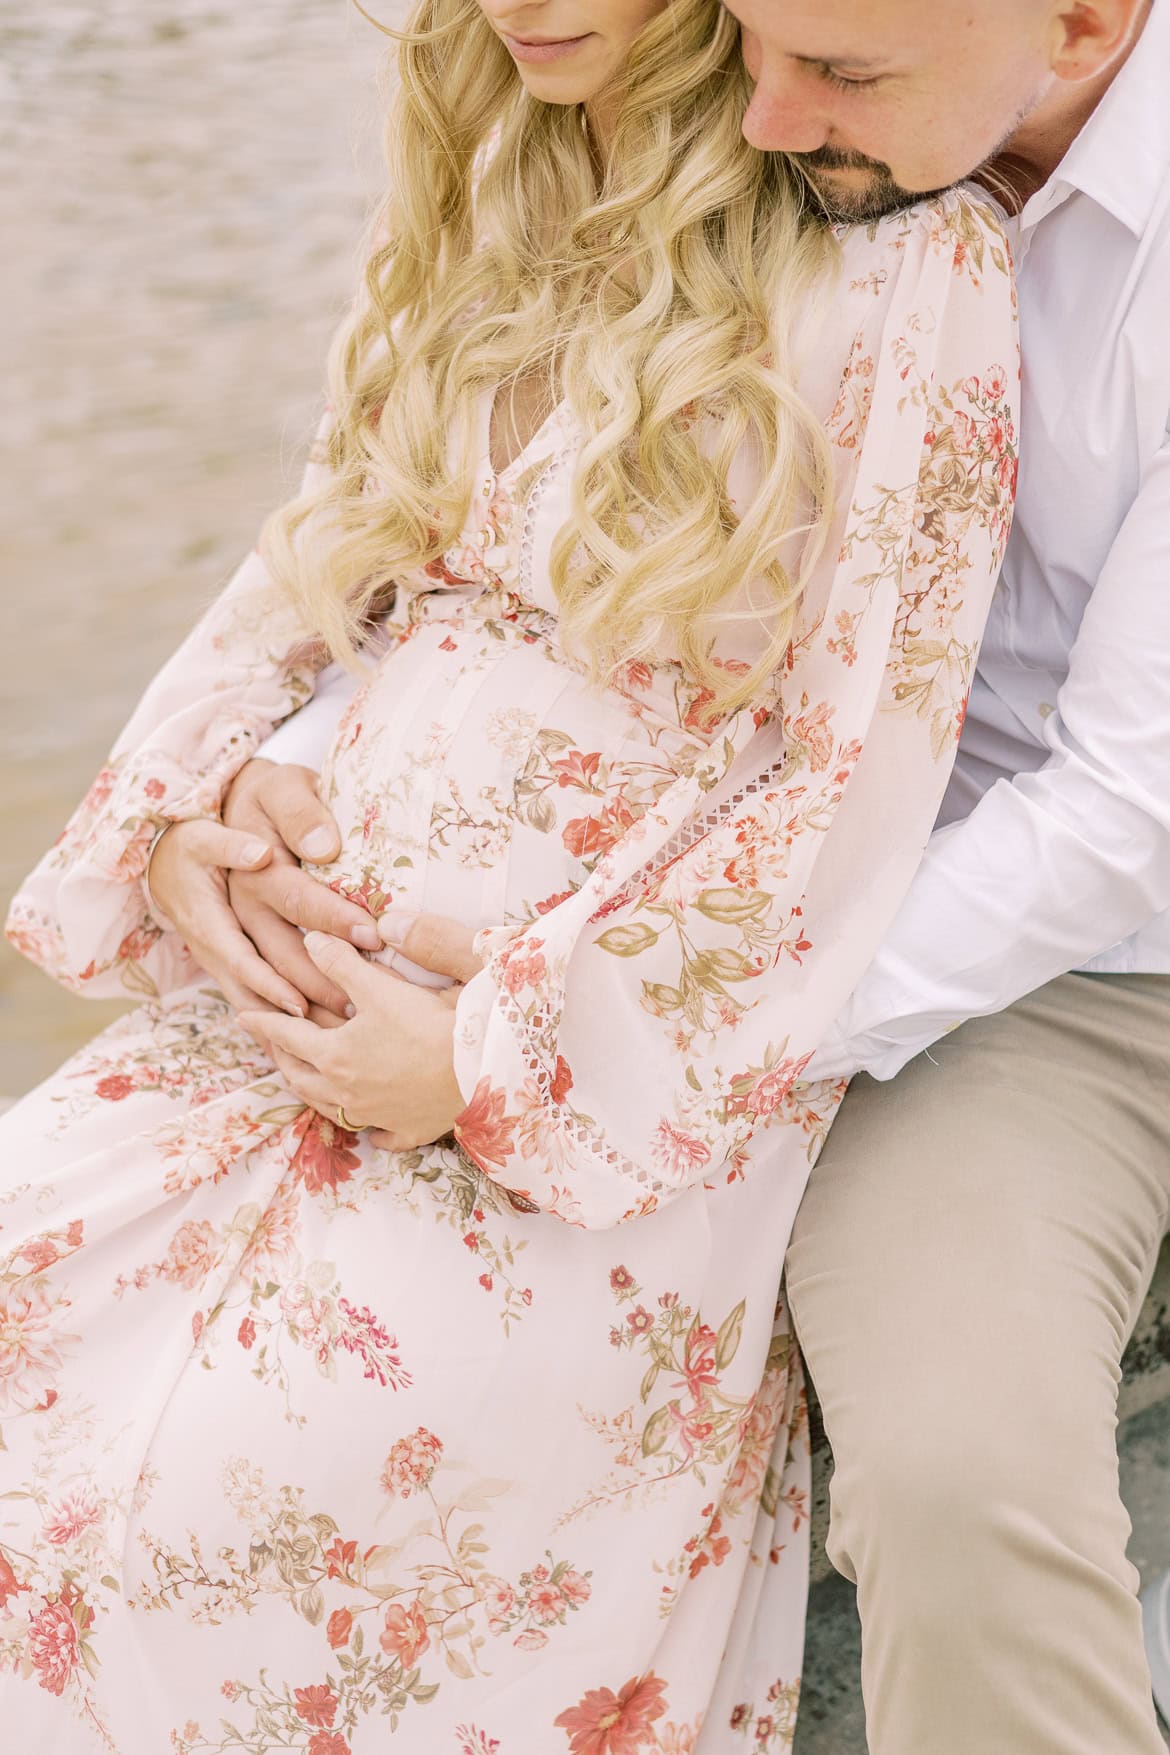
{"x":1121,"y":157}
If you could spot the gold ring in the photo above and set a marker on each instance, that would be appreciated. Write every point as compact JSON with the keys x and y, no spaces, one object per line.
{"x":344,"y":1121}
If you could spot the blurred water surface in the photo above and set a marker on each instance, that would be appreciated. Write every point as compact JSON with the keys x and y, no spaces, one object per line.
{"x":182,"y":186}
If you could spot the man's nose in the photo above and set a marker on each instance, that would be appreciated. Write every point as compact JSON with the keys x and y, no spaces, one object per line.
{"x":783,"y":115}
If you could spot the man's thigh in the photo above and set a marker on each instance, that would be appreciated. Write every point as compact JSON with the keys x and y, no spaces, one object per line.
{"x":967,"y":1263}
{"x":977,"y":1238}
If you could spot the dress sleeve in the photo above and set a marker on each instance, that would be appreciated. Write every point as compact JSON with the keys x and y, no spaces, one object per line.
{"x":83,"y":913}
{"x":630,"y":1043}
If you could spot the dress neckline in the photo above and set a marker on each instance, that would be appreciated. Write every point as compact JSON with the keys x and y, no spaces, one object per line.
{"x":524,"y":454}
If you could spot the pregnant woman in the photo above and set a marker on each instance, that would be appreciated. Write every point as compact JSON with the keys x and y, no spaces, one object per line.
{"x":671,"y":516}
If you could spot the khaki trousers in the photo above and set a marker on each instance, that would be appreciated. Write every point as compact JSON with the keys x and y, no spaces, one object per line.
{"x":967,"y":1264}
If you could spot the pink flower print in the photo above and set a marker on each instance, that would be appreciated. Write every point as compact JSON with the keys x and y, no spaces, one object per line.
{"x":995,"y":383}
{"x":813,"y":731}
{"x":78,"y":1512}
{"x":963,"y":431}
{"x":404,"y":1634}
{"x":605,"y":1723}
{"x":192,"y":1254}
{"x":54,"y":1645}
{"x":575,"y":1587}
{"x":411,"y":1463}
{"x":546,"y":1604}
{"x":246,"y":1333}
{"x":475,"y":1742}
{"x":307,"y":1317}
{"x":620,"y":1280}
{"x":272,"y":1246}
{"x":678,"y":1154}
{"x":114,"y":1087}
{"x":712,"y":1550}
{"x":29,"y":1359}
{"x":699,"y":1359}
{"x":640,"y":1320}
{"x":338,"y":1628}
{"x":328,"y":1743}
{"x":499,"y":1599}
{"x":316,"y":1705}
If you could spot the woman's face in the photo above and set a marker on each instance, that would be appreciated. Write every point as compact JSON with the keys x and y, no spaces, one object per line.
{"x":567,"y":51}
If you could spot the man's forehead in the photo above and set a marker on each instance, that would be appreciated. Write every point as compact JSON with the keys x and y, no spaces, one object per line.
{"x":860,"y":34}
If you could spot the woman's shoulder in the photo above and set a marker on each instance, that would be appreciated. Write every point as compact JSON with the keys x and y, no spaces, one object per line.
{"x":963,"y":224}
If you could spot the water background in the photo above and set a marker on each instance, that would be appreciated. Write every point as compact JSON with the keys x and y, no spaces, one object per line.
{"x":182,"y":188}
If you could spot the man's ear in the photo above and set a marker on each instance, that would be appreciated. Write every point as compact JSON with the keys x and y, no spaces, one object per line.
{"x":1090,"y":35}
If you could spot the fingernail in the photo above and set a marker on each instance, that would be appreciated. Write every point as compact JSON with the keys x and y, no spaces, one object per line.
{"x":254,"y":850}
{"x":294,"y":1011}
{"x":366,"y":934}
{"x":319,"y":843}
{"x":394,"y":924}
{"x":314,"y":942}
{"x":351,"y":1011}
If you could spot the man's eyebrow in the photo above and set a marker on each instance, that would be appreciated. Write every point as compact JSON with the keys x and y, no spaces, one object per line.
{"x":858,"y":62}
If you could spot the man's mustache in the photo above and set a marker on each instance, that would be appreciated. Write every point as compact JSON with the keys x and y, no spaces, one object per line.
{"x":832,"y":158}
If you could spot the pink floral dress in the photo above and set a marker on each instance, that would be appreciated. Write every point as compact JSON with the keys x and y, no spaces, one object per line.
{"x":497,"y":1446}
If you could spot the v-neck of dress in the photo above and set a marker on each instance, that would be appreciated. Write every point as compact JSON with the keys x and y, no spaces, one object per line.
{"x":524,"y":454}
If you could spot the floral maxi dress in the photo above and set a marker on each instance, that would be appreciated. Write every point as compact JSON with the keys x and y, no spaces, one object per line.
{"x":496,"y":1446}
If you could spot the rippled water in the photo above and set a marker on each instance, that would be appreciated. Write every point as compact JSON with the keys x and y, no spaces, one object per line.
{"x":181,"y":188}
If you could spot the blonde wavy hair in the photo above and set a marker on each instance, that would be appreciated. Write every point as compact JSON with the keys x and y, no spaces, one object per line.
{"x":652,"y":291}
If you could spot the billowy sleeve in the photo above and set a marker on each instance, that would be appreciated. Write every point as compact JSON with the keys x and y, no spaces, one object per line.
{"x":630,"y":1043}
{"x":83,"y":913}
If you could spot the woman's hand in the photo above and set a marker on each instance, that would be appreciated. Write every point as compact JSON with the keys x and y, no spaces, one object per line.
{"x":188,"y":879}
{"x":390,"y":1067}
{"x":277,"y":802}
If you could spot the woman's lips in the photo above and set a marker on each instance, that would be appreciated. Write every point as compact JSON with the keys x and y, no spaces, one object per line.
{"x":548,"y":51}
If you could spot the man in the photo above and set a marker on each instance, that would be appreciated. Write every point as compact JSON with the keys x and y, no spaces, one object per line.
{"x":979,"y":1233}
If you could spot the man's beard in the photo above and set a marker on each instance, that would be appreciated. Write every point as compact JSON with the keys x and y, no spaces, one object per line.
{"x":863,"y":202}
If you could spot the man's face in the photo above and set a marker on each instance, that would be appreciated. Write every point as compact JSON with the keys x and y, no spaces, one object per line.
{"x":885,"y":101}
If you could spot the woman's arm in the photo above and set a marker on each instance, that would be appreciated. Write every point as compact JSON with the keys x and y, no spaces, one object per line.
{"x":632,"y":1042}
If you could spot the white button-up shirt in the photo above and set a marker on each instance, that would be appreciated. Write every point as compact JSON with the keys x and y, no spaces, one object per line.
{"x":1053,"y":845}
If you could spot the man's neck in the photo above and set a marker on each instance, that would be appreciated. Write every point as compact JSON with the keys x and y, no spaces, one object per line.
{"x":1031,"y":153}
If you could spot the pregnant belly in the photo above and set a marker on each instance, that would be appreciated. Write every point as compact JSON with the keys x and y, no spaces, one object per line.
{"x":478,"y":775}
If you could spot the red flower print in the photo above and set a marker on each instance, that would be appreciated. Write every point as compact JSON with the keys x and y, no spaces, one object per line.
{"x":77,"y":1512}
{"x":582,"y":836}
{"x":323,"y":1158}
{"x":963,"y":430}
{"x":54,"y":1646}
{"x":246,"y":1333}
{"x":136,"y":944}
{"x":562,"y":1080}
{"x":411,"y":1463}
{"x":605,"y":1723}
{"x":114,"y":1087}
{"x":486,"y":1282}
{"x":404,"y":1634}
{"x":620,"y":1279}
{"x":575,"y":769}
{"x":316,"y":1705}
{"x":340,"y":1557}
{"x":546,"y":1604}
{"x":712,"y":1550}
{"x":812,"y":729}
{"x":483,"y":1129}
{"x":551,"y":902}
{"x":328,"y":1743}
{"x":640,"y":1320}
{"x":40,"y":1253}
{"x":9,"y":1583}
{"x":338,"y":1628}
{"x":155,"y":789}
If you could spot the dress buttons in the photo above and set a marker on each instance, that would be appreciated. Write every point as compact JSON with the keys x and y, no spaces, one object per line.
{"x":483,"y":537}
{"x":489,"y":488}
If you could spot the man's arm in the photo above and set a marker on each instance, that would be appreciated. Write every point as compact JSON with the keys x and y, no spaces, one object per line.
{"x":1052,"y":867}
{"x":306,"y":734}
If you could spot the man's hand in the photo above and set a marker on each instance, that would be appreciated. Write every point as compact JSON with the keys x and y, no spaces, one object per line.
{"x":391,"y":1067}
{"x":277,"y":803}
{"x":188,"y":879}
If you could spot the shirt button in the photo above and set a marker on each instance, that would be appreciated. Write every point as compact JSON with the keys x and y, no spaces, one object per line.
{"x":483,"y":537}
{"x":489,"y":488}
